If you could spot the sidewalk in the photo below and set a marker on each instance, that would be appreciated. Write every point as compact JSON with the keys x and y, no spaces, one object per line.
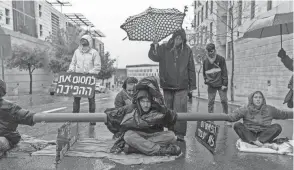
{"x":241,"y":101}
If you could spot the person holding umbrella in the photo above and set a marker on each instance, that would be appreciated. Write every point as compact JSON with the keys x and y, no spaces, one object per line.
{"x":177,"y":74}
{"x":288,"y":62}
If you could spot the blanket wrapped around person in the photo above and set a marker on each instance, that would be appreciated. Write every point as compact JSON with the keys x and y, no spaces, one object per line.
{"x":133,"y":119}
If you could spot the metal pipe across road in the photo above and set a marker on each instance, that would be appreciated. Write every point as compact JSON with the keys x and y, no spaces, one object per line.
{"x":101,"y":117}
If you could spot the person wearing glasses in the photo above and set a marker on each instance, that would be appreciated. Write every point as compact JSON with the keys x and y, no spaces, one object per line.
{"x":215,"y":77}
{"x":125,"y":96}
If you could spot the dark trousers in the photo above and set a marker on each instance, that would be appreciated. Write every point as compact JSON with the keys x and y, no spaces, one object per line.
{"x":177,"y":100}
{"x":211,"y":98}
{"x":265,"y":136}
{"x":77,"y":103}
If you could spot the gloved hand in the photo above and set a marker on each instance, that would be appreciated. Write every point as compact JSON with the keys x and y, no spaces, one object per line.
{"x":160,"y":108}
{"x":282,"y":53}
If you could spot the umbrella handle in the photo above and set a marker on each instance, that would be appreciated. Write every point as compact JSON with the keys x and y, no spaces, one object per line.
{"x":281,"y":35}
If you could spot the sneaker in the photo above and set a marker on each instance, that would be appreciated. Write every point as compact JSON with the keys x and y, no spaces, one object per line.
{"x":169,"y":150}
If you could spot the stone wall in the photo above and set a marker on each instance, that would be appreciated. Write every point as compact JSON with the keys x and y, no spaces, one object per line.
{"x":42,"y":78}
{"x":259,"y":68}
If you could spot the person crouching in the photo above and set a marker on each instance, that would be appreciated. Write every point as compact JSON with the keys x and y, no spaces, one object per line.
{"x":11,"y":115}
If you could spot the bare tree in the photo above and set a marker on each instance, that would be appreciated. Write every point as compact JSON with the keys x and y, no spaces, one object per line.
{"x":235,"y":13}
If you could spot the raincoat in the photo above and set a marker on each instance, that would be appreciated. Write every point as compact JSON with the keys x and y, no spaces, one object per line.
{"x":86,"y":60}
{"x":258,"y":119}
{"x":10,"y":116}
{"x":131,"y":117}
{"x":176,"y":64}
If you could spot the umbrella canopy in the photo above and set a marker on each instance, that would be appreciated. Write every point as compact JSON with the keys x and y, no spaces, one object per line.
{"x":153,"y":24}
{"x":277,"y":24}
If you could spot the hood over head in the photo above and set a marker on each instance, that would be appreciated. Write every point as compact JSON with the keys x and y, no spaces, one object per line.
{"x":253,"y":109}
{"x":89,"y":39}
{"x":180,"y":32}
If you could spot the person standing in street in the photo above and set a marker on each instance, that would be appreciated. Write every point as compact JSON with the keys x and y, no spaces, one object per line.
{"x":215,"y":77}
{"x":288,"y":63}
{"x":85,"y":60}
{"x":177,"y":74}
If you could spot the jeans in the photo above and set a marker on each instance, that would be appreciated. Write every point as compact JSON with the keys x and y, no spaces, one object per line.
{"x":149,"y":143}
{"x":211,"y":98}
{"x":177,"y":100}
{"x":265,"y":136}
{"x":77,"y":103}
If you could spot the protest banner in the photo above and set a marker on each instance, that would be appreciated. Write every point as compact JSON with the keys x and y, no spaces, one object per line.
{"x":206,"y":133}
{"x":76,"y":84}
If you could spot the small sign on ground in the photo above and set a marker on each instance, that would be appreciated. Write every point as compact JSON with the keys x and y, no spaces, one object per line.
{"x":206,"y":133}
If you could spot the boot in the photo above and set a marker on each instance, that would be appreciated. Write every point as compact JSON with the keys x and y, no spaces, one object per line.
{"x":128,"y":149}
{"x":169,"y":150}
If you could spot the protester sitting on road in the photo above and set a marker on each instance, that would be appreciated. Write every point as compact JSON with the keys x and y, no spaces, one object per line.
{"x":10,"y":116}
{"x":288,"y":62}
{"x":257,"y":118}
{"x":143,"y":122}
{"x":85,"y":60}
{"x":125,"y":96}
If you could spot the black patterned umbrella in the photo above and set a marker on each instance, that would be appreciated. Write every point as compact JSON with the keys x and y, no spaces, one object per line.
{"x":153,"y":24}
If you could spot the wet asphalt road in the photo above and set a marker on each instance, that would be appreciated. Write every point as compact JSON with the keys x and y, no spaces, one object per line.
{"x":195,"y":155}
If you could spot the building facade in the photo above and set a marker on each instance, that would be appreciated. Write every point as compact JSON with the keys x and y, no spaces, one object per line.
{"x":257,"y":66}
{"x":30,"y":23}
{"x":143,"y":70}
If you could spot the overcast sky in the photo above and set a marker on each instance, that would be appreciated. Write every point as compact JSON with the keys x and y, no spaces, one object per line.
{"x":108,"y":15}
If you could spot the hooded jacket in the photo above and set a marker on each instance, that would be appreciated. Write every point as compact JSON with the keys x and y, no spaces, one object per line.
{"x":122,"y":97}
{"x":10,"y":116}
{"x":132,"y":117}
{"x":176,"y":65}
{"x":257,"y":120}
{"x":86,"y":60}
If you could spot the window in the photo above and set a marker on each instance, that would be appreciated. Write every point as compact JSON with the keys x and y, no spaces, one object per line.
{"x":197,"y":35}
{"x":55,"y":24}
{"x":229,"y":50}
{"x":201,"y":36}
{"x":7,"y":16}
{"x":24,"y":20}
{"x":202,"y":14}
{"x":194,"y":23}
{"x":41,"y":30}
{"x":240,"y":12}
{"x":211,"y":33}
{"x":211,"y":7}
{"x":230,"y":24}
{"x":198,"y":18}
{"x":206,"y":35}
{"x":252,"y":9}
{"x":40,"y":10}
{"x":269,"y":5}
{"x":206,"y":10}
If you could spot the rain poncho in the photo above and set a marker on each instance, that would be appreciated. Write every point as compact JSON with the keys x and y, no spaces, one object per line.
{"x":133,"y":118}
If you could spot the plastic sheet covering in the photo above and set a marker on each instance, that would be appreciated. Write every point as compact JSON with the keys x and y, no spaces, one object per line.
{"x":285,"y":148}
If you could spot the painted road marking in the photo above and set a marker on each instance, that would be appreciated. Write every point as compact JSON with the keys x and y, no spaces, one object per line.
{"x":104,"y":98}
{"x":84,"y":103}
{"x":53,"y":110}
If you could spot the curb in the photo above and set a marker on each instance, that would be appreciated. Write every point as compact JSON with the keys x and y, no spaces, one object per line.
{"x":218,"y":101}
